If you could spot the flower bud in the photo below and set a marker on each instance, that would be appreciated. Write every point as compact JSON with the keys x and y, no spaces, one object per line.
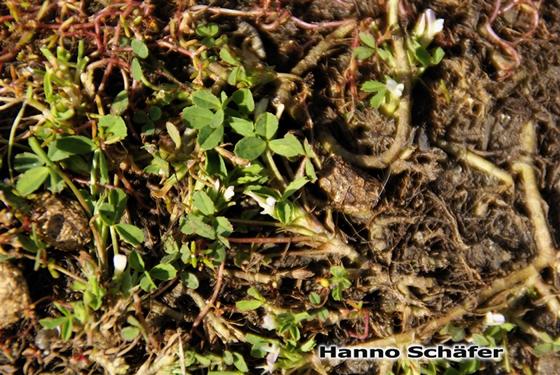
{"x":119,"y":262}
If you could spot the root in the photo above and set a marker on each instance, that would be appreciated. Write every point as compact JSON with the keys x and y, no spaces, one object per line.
{"x":262,"y":278}
{"x":322,"y":48}
{"x":225,"y":331}
{"x":477,"y":162}
{"x":528,"y":276}
{"x":335,"y":247}
{"x":283,"y":96}
{"x":548,"y":297}
{"x":533,"y":200}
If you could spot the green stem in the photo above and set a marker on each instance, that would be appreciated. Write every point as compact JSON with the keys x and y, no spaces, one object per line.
{"x":93,"y":173}
{"x":12,"y":137}
{"x":100,"y":235}
{"x":114,"y":240}
{"x":36,"y":147}
{"x":272,"y":165}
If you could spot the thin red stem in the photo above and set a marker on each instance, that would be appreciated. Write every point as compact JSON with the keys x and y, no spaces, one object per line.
{"x":364,"y":335}
{"x":212,"y":301}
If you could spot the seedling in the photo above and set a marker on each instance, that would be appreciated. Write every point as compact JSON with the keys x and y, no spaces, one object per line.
{"x":339,"y":282}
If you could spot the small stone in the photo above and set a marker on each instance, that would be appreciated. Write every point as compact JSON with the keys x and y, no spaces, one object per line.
{"x":549,"y":364}
{"x":61,"y":223}
{"x":14,"y":296}
{"x":45,"y":338}
{"x":349,"y":190}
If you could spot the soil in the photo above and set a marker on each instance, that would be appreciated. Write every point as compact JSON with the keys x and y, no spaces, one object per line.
{"x":14,"y":296}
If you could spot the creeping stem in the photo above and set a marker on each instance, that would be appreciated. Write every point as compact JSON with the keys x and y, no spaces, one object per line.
{"x":403,"y":74}
{"x":519,"y":280}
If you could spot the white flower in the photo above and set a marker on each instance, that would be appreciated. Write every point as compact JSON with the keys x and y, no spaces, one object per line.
{"x":427,"y":27}
{"x":119,"y":262}
{"x":269,"y":322}
{"x":267,"y":204}
{"x":395,"y":88}
{"x":492,"y":319}
{"x":273,"y":352}
{"x":229,"y":193}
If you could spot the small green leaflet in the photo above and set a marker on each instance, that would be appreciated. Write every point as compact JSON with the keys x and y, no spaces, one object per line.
{"x":129,"y":333}
{"x":244,"y":100}
{"x":205,"y":99}
{"x":174,"y":134}
{"x":242,"y":127}
{"x":375,"y":87}
{"x":267,"y":125}
{"x":289,"y":146}
{"x":163,"y":272}
{"x":368,"y":39}
{"x":314,"y":298}
{"x":236,"y":75}
{"x":120,"y":104}
{"x":363,"y":53}
{"x":203,"y":203}
{"x":190,"y":280}
{"x":67,"y":146}
{"x":226,"y":55}
{"x":130,"y":233}
{"x":31,"y":180}
{"x":25,"y":161}
{"x":139,"y":48}
{"x":113,"y":127}
{"x":197,"y":117}
{"x":239,"y":363}
{"x":250,"y":148}
{"x":294,"y":186}
{"x":154,"y":113}
{"x":136,"y":261}
{"x":224,"y":226}
{"x":209,"y":30}
{"x":194,"y":225}
{"x":136,"y":70}
{"x":248,"y":305}
{"x":208,"y":137}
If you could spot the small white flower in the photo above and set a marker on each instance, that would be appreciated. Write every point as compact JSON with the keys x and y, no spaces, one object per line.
{"x":119,"y":262}
{"x":269,"y":322}
{"x":492,"y":319}
{"x":267,"y":204}
{"x":217,"y":185}
{"x":273,"y":352}
{"x":427,"y":27}
{"x":229,"y":193}
{"x":395,"y":88}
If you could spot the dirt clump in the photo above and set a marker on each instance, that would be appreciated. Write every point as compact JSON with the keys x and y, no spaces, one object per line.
{"x":61,"y":223}
{"x":348,"y":190}
{"x":14,"y":296}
